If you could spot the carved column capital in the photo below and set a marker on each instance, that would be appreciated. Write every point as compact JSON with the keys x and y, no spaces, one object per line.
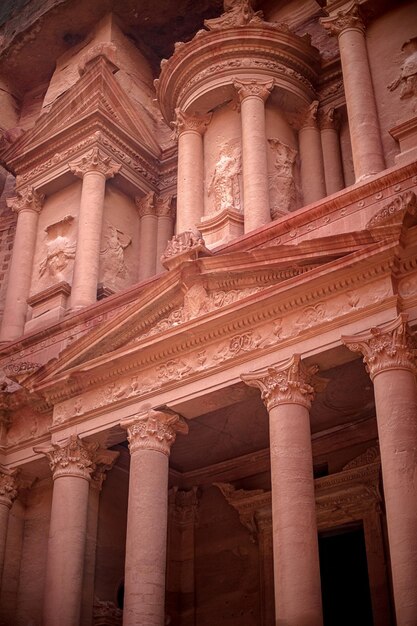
{"x":253,"y":89}
{"x":348,"y":19}
{"x":95,"y":161}
{"x":310,"y":118}
{"x":165,"y":206}
{"x":72,"y":457}
{"x":104,"y":461}
{"x":146,"y":204}
{"x":329,"y":119}
{"x":290,"y":382}
{"x":191,"y":122}
{"x":27,"y":199}
{"x":387,"y":347}
{"x":154,"y":430}
{"x":8,"y":485}
{"x":183,"y":505}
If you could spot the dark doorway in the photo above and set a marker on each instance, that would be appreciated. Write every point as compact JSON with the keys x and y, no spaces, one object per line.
{"x":344,"y":578}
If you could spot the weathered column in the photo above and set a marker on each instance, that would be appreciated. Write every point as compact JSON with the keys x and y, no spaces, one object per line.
{"x":27,"y":205}
{"x":332,"y":158}
{"x":150,"y":437}
{"x":71,"y":463}
{"x":389,"y":354}
{"x":253,"y":95}
{"x":8,"y":493}
{"x":165,"y":211}
{"x":94,"y":168}
{"x":311,"y":157}
{"x":287,"y":393}
{"x":266,"y":566}
{"x":189,"y":129}
{"x":147,"y":235}
{"x":365,"y":135}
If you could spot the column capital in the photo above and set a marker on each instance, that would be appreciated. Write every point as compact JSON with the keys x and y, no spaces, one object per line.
{"x":146,"y":204}
{"x":154,"y":430}
{"x":72,"y":457}
{"x":27,"y":199}
{"x":95,"y":161}
{"x":191,"y":122}
{"x":8,"y":485}
{"x":289,"y":382}
{"x":349,"y":18}
{"x":387,"y":347}
{"x":309,"y":119}
{"x":104,"y":461}
{"x":253,"y":89}
{"x":165,"y":206}
{"x":328,"y":119}
{"x":183,"y":505}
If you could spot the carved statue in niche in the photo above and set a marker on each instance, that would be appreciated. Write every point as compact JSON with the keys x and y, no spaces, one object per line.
{"x":112,"y":253}
{"x":60,"y":250}
{"x":224,"y":185}
{"x":281,"y":181}
{"x":407,"y":80}
{"x":236,"y":13}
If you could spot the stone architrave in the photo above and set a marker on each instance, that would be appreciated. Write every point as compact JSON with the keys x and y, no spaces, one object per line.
{"x":72,"y":463}
{"x":8,"y":493}
{"x":311,"y":156}
{"x":28,"y":204}
{"x":287,"y":391}
{"x":94,"y":168}
{"x":189,"y":130}
{"x":365,"y":134}
{"x":148,"y":229}
{"x":252,"y":95}
{"x":332,"y":158}
{"x":389,"y":353}
{"x":150,"y":437}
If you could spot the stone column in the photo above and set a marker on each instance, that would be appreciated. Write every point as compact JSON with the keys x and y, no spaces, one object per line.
{"x":94,"y":168}
{"x":189,"y":129}
{"x":287,"y":393}
{"x":311,"y":157}
{"x":8,"y":493}
{"x":389,"y":354}
{"x":266,"y":566}
{"x":365,"y":135}
{"x":148,"y":227}
{"x":165,"y":211}
{"x":332,"y":159}
{"x":150,"y":437}
{"x":72,"y":463}
{"x":252,"y":96}
{"x":27,"y":205}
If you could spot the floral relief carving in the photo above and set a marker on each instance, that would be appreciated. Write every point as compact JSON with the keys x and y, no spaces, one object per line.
{"x":112,"y":253}
{"x":27,"y":199}
{"x":236,"y":13}
{"x":8,"y":485}
{"x":146,"y":204}
{"x":59,"y":249}
{"x":154,"y":430}
{"x":224,"y":185}
{"x":253,"y":88}
{"x":281,"y":182}
{"x":189,"y":122}
{"x":395,"y":210}
{"x":174,"y":369}
{"x":95,"y":161}
{"x":245,"y":342}
{"x":310,"y":117}
{"x":349,"y":18}
{"x":73,"y":457}
{"x":407,"y":80}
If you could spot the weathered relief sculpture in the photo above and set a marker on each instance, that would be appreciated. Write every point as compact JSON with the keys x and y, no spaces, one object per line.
{"x":236,"y":13}
{"x":407,"y":81}
{"x":224,"y":185}
{"x":281,"y":182}
{"x":60,"y":250}
{"x":112,"y":253}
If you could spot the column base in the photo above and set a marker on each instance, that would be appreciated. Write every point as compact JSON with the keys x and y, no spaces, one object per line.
{"x":406,"y":134}
{"x":222,"y":227}
{"x":48,"y":306}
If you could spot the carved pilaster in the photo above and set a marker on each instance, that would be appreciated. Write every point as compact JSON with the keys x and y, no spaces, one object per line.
{"x":154,"y":430}
{"x":95,"y":161}
{"x":288,"y":383}
{"x":387,"y":347}
{"x":27,"y":199}
{"x":8,"y":485}
{"x":347,"y":19}
{"x":253,"y":89}
{"x":73,"y":457}
{"x":146,"y":204}
{"x":190,"y":122}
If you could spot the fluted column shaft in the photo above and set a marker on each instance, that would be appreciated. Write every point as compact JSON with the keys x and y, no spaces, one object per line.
{"x":388,"y":354}
{"x":71,"y":464}
{"x":252,"y":96}
{"x":311,"y":157}
{"x":368,"y":155}
{"x":150,"y":437}
{"x":332,"y":158}
{"x":189,"y":130}
{"x":27,"y":205}
{"x":94,"y":169}
{"x":287,"y":394}
{"x":8,"y":493}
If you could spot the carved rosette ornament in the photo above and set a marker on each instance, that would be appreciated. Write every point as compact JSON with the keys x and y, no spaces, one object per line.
{"x":73,"y":457}
{"x":95,"y":161}
{"x":288,"y":383}
{"x":253,"y":89}
{"x":349,"y":19}
{"x":154,"y":430}
{"x":190,"y":122}
{"x":27,"y":199}
{"x":8,"y":485}
{"x":387,"y":347}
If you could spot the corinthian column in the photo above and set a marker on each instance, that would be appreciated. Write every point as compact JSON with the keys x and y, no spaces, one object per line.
{"x":189,"y":129}
{"x":389,"y":353}
{"x":311,"y":156}
{"x":27,"y":205}
{"x":148,"y":226}
{"x":72,"y":463}
{"x":165,"y":211}
{"x":8,"y":493}
{"x":287,"y":393}
{"x":253,"y":95}
{"x":150,"y":437}
{"x":330,"y":142}
{"x":94,"y":168}
{"x":365,"y":135}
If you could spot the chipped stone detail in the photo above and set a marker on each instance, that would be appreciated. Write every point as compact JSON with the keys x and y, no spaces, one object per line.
{"x":350,"y":18}
{"x":281,"y":182}
{"x":395,"y":210}
{"x":224,"y":185}
{"x":8,"y":485}
{"x":236,"y":13}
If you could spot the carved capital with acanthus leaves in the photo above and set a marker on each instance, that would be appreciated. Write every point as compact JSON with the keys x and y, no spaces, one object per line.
{"x":146,"y":205}
{"x":329,"y":119}
{"x":8,"y":485}
{"x":183,"y":506}
{"x":253,"y":89}
{"x":309,"y":119}
{"x":165,"y":206}
{"x":104,"y":461}
{"x":27,"y":199}
{"x":190,"y":122}
{"x":154,"y":430}
{"x":95,"y":161}
{"x":387,"y":347}
{"x":73,"y":457}
{"x":347,"y":19}
{"x":290,"y":382}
